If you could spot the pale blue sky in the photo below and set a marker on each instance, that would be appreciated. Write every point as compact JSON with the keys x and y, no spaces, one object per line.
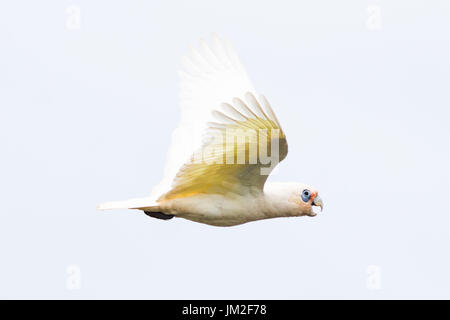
{"x":86,"y":116}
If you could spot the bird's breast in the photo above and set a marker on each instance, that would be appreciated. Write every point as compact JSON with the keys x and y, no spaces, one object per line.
{"x":213,"y":209}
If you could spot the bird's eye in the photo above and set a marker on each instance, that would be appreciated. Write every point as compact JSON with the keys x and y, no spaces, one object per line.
{"x":306,"y":195}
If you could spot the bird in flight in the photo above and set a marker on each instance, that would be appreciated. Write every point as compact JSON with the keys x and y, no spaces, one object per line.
{"x":225,"y":146}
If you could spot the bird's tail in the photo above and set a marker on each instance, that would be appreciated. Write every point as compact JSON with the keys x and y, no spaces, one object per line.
{"x":146,"y":204}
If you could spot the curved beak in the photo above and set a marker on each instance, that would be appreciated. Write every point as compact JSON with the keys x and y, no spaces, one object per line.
{"x":318,"y":202}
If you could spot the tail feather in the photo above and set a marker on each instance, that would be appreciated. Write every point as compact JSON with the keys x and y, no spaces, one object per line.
{"x":148,"y":204}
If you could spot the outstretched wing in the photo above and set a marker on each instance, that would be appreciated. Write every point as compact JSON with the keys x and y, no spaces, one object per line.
{"x":211,"y":75}
{"x":240,"y":151}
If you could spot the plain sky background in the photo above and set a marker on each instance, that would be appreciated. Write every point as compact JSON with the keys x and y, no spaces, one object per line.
{"x":360,"y":87}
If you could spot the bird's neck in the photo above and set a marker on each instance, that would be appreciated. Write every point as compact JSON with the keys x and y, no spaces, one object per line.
{"x":279,"y":201}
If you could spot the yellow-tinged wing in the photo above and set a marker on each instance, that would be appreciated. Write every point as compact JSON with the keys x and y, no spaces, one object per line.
{"x":239,"y":153}
{"x":211,"y":73}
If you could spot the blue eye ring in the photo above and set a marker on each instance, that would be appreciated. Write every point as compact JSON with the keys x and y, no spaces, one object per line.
{"x":306,"y":195}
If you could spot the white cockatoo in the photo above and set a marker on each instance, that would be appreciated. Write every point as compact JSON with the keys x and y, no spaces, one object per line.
{"x":219,"y":161}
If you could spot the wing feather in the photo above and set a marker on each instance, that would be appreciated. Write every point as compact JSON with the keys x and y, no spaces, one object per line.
{"x":211,"y":74}
{"x":213,"y":172}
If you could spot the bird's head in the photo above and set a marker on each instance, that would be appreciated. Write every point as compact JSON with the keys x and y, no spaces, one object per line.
{"x":288,"y":199}
{"x":309,"y":201}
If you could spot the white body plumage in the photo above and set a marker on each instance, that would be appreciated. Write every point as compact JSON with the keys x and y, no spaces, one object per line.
{"x":277,"y":200}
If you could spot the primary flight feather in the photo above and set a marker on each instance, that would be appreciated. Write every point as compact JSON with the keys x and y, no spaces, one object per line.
{"x":227,"y":143}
